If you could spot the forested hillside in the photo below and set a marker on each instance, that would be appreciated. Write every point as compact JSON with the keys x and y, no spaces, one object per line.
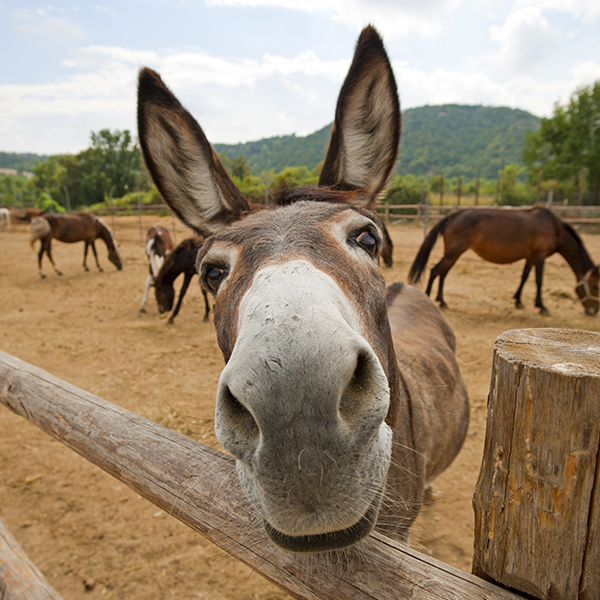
{"x":20,"y":162}
{"x":451,"y":139}
{"x":463,"y":140}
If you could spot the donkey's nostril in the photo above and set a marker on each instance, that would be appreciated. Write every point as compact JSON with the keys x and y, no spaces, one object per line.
{"x":359,"y":388}
{"x":237,"y":414}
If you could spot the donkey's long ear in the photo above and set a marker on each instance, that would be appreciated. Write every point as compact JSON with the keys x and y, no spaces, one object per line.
{"x":184,"y":166}
{"x":366,"y":132}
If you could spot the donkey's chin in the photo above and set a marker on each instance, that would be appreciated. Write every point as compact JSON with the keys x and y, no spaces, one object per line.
{"x":331,"y":540}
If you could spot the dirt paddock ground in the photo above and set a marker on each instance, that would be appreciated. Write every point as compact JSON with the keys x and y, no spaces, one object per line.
{"x":94,"y":538}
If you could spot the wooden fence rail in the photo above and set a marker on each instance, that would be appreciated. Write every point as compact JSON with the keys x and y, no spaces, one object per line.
{"x":578,"y":215}
{"x":198,"y":485}
{"x":19,"y":577}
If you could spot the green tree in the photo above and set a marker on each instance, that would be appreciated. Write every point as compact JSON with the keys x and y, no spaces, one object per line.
{"x":568,"y":141}
{"x":239,"y":168}
{"x":112,"y":162}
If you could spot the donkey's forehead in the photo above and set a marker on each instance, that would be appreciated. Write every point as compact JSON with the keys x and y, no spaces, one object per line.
{"x":292,"y":228}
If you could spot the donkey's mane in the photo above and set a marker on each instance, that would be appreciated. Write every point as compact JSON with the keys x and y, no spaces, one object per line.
{"x":285,"y":195}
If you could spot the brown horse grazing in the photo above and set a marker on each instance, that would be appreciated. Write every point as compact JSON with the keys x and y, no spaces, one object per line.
{"x":70,"y":228}
{"x":158,"y":245}
{"x":340,"y":398}
{"x":503,"y":236}
{"x":181,"y":260}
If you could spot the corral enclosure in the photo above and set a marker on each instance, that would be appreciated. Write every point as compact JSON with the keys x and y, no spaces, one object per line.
{"x":89,"y":534}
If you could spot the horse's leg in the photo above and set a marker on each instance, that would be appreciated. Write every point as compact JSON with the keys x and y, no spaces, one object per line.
{"x":40,"y":255}
{"x":85,"y":251}
{"x":517,"y":296}
{"x":48,"y":249}
{"x":539,"y":276}
{"x":145,"y":298}
{"x":441,"y":270}
{"x":206,"y":307}
{"x":184,"y":287}
{"x":93,"y":245}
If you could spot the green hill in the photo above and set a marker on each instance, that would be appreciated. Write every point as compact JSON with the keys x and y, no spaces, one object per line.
{"x":19,"y":162}
{"x":451,"y":139}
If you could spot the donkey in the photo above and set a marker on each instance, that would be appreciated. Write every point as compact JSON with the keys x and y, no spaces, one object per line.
{"x":158,"y":245}
{"x":68,"y":228}
{"x":337,"y":392}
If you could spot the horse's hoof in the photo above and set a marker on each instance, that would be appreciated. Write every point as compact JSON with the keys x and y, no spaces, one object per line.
{"x":544,"y":312}
{"x":142,"y":310}
{"x":42,"y":276}
{"x":59,"y":272}
{"x":519,"y":304}
{"x":443,"y":305}
{"x":205,"y":319}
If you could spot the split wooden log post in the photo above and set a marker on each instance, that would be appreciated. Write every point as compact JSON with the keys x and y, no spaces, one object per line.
{"x":198,"y":485}
{"x":537,"y":501}
{"x":19,"y":578}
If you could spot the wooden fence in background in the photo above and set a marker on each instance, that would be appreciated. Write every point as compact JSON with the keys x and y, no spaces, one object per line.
{"x":423,"y":212}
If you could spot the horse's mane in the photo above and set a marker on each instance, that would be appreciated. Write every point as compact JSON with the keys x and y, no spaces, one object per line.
{"x":581,"y":248}
{"x":166,"y":273}
{"x":106,"y":229}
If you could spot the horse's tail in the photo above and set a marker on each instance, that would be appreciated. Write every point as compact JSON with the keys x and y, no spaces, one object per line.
{"x":420,"y":262}
{"x":39,"y":228}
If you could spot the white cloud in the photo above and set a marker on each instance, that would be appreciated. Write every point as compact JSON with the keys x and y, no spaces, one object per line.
{"x":526,"y":39}
{"x":579,"y":8}
{"x":273,"y":96}
{"x":394,"y":19}
{"x":41,"y":24}
{"x":525,"y":92}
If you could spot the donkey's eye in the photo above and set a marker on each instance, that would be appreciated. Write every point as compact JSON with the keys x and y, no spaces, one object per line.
{"x":367,"y":241}
{"x":212,"y":276}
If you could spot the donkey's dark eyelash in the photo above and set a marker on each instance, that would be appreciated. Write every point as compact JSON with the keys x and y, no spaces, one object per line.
{"x":212,"y":275}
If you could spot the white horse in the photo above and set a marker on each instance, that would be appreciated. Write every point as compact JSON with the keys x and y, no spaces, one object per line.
{"x":338,"y":392}
{"x":158,"y":246}
{"x":5,"y":222}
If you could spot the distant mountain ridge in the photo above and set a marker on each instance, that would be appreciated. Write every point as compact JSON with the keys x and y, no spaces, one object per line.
{"x":452,"y":139}
{"x":19,"y":162}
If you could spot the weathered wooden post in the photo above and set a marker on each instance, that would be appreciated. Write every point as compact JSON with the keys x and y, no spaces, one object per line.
{"x":581,"y":186}
{"x":537,"y":501}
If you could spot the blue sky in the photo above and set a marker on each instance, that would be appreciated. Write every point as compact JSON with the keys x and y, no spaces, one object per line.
{"x":249,"y":69}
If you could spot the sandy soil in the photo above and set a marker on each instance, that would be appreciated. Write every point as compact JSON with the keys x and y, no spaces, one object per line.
{"x":94,"y":538}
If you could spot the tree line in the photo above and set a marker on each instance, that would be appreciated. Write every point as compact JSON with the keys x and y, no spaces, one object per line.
{"x":563,"y":155}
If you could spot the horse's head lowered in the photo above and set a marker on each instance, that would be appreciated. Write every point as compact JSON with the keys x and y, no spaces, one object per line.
{"x":308,"y":396}
{"x":587,"y":291}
